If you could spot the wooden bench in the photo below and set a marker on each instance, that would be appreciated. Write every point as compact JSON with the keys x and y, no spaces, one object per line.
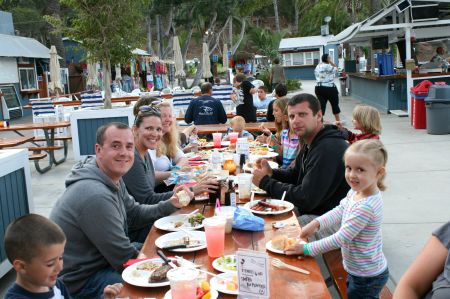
{"x":64,"y":138}
{"x":39,"y":149}
{"x":333,"y":261}
{"x":33,"y":157}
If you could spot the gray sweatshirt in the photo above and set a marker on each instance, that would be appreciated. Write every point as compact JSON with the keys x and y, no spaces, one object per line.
{"x":93,"y":214}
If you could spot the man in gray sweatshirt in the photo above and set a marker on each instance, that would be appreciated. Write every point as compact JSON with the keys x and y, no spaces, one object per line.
{"x":93,"y":212}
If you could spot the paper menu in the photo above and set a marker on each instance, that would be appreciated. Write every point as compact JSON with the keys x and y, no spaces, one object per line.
{"x":253,"y":274}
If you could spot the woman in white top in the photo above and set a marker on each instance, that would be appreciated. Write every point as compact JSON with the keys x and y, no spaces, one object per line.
{"x":168,"y":152}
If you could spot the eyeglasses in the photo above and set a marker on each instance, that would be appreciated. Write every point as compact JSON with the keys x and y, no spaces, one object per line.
{"x":153,"y":106}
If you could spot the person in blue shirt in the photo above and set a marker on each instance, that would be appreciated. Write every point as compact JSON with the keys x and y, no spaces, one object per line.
{"x":263,"y":99}
{"x":205,"y":110}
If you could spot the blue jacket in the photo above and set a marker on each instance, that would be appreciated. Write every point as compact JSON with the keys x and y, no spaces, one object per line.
{"x":205,"y":110}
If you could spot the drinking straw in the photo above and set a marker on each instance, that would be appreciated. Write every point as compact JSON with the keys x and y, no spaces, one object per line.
{"x":284,"y":194}
{"x":218,"y":205}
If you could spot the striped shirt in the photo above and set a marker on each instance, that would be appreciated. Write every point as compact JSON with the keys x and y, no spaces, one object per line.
{"x":290,"y":148}
{"x":359,"y":236}
{"x":353,"y":137}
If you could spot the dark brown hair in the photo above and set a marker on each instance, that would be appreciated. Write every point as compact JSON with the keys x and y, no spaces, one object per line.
{"x":28,"y":234}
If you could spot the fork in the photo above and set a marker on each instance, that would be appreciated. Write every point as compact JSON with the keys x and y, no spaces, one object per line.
{"x":282,"y":265}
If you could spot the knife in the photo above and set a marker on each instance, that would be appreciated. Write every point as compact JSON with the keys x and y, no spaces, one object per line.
{"x":166,"y":259}
{"x":181,"y":246}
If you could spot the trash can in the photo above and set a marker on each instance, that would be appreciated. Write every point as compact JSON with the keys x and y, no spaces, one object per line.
{"x":438,"y":110}
{"x":418,"y":111}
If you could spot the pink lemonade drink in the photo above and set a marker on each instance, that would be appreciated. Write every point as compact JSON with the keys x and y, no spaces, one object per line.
{"x":183,"y":283}
{"x":233,"y":137}
{"x":217,"y":140}
{"x":215,"y":235}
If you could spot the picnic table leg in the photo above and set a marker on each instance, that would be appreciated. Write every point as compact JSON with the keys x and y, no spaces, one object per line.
{"x":38,"y":167}
{"x":50,"y":139}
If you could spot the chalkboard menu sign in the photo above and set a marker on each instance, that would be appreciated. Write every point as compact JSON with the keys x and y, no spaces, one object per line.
{"x":11,"y":100}
{"x":10,"y":96}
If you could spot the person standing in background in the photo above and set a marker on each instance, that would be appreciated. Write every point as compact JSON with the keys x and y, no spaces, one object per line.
{"x":276,"y":74}
{"x":244,"y":98}
{"x":325,"y":88}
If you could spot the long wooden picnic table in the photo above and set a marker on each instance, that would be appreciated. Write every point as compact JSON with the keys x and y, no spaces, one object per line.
{"x":283,"y":283}
{"x":49,"y":133}
{"x":222,"y":128}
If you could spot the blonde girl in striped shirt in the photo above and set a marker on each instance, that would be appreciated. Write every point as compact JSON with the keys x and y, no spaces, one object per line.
{"x":360,"y":215}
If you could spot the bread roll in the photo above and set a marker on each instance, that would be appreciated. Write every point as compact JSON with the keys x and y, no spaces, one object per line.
{"x":183,"y":198}
{"x":279,"y":242}
{"x":282,"y":242}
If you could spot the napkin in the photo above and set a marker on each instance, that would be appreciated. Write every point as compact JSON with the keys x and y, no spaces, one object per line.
{"x":195,"y":158}
{"x":245,"y":220}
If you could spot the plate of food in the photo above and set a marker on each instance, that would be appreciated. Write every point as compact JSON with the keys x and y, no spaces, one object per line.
{"x":249,"y":166}
{"x":181,"y":221}
{"x":226,"y":263}
{"x":152,"y":272}
{"x":226,"y":283}
{"x":182,"y":241}
{"x":269,"y":206}
{"x":280,"y":243}
{"x":266,"y":155}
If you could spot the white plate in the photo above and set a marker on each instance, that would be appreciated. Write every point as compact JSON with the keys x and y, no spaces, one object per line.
{"x":214,"y":282}
{"x":216,"y":265}
{"x":140,"y":277}
{"x":268,"y":155}
{"x":272,"y":249}
{"x":272,"y":164}
{"x":193,"y":235}
{"x":289,"y":206}
{"x":168,"y":223}
{"x":214,"y":294}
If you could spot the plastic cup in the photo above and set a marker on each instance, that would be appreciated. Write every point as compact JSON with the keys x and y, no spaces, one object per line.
{"x":215,"y":235}
{"x":183,"y":283}
{"x":227,"y":213}
{"x":217,"y":139}
{"x":244,"y":186}
{"x":233,"y":137}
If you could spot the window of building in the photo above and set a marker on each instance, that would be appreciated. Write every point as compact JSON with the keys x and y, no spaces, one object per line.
{"x":301,"y":58}
{"x":298,"y":59}
{"x":28,"y":80}
{"x":287,"y":59}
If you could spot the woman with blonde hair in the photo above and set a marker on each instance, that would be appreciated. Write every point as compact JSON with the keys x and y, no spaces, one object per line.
{"x":167,"y":154}
{"x":284,"y":141}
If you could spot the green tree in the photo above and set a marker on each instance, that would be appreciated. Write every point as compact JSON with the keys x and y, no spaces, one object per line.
{"x":108,"y":30}
{"x":265,"y":41}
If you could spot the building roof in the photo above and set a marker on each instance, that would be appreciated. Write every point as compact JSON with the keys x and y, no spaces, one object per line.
{"x":304,"y":42}
{"x":18,"y":46}
{"x":392,"y":23}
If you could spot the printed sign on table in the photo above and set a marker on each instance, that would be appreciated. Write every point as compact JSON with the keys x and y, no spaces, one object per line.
{"x":253,"y":274}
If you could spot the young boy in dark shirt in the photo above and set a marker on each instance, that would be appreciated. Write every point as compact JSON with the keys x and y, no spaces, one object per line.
{"x":35,"y":245}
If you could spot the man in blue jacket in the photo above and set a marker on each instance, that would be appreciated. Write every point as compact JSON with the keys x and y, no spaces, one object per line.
{"x":205,"y":110}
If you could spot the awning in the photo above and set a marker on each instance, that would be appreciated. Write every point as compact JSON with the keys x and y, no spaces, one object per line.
{"x":18,"y":46}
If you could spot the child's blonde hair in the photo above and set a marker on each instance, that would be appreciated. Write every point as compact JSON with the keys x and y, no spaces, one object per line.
{"x":238,"y":120}
{"x":282,"y":104}
{"x":168,"y":146}
{"x":368,"y":118}
{"x":376,"y":151}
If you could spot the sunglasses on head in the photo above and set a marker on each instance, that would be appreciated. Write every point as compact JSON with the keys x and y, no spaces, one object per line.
{"x":148,"y":110}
